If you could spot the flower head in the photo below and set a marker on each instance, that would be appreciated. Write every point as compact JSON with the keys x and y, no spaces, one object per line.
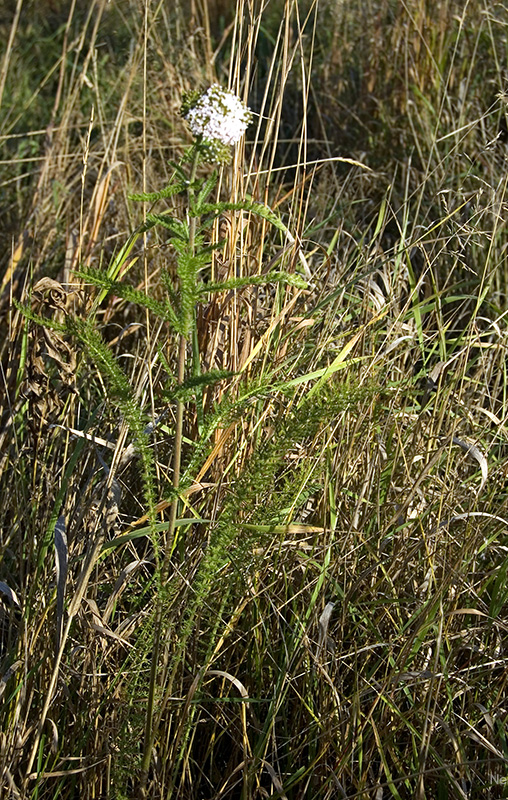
{"x":218,"y":116}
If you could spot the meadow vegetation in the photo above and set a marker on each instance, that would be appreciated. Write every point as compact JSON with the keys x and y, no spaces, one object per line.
{"x":263,"y":554}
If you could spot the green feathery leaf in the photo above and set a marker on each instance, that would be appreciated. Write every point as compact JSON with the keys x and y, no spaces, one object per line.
{"x":204,"y":192}
{"x":290,"y":279}
{"x":152,"y":197}
{"x":177,"y":227}
{"x":244,"y":205}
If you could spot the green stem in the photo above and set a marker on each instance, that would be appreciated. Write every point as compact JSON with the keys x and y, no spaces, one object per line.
{"x":196,"y":371}
{"x":177,"y":460}
{"x":150,"y":727}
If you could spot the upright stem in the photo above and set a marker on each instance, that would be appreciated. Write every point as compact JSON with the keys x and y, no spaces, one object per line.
{"x":177,"y":460}
{"x":150,"y":728}
{"x":182,"y":349}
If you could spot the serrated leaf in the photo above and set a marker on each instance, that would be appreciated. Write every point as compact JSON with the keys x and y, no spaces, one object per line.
{"x":244,"y":205}
{"x":205,"y":190}
{"x":289,"y":278}
{"x":129,"y":293}
{"x":152,"y":197}
{"x":188,"y":389}
{"x":176,"y":226}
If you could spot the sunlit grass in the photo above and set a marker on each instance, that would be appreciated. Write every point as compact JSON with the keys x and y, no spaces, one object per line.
{"x":334,"y":605}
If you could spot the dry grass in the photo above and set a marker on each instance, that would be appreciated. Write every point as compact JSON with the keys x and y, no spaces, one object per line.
{"x":335,"y":608}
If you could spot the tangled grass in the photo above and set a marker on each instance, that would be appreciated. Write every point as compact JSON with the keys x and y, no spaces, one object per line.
{"x":332,"y":616}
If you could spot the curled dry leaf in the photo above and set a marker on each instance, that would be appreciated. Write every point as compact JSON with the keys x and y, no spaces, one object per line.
{"x":473,"y":451}
{"x":11,"y":594}
{"x":9,"y":615}
{"x":48,"y":293}
{"x":120,"y":584}
{"x":324,"y":622}
{"x":61,"y":558}
{"x":44,"y":386}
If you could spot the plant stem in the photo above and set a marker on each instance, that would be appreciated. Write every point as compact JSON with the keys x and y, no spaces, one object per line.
{"x":176,"y":461}
{"x":150,"y":728}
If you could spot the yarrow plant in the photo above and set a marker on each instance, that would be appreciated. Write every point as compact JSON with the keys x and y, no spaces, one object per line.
{"x":217,"y":119}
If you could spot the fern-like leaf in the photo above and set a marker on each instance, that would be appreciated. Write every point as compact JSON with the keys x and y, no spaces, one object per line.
{"x":153,"y":197}
{"x":244,"y":205}
{"x":205,"y":191}
{"x":187,"y":390}
{"x":129,"y":293}
{"x":287,"y":278}
{"x":178,"y":228}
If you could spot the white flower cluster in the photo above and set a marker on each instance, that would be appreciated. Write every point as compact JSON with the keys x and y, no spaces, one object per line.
{"x":219,"y":116}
